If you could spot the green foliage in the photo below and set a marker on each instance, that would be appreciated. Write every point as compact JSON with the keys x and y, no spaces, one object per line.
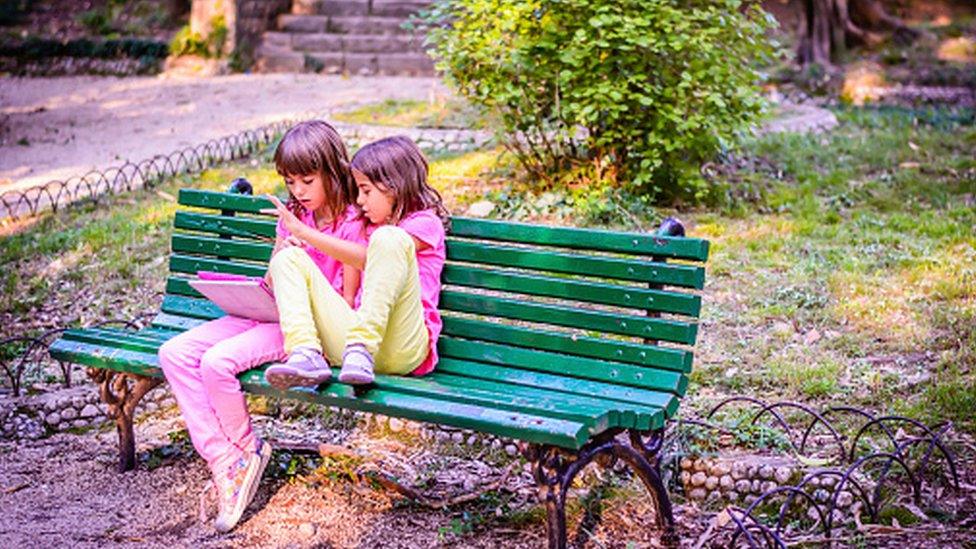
{"x":38,"y":48}
{"x":634,"y":92}
{"x":188,"y":42}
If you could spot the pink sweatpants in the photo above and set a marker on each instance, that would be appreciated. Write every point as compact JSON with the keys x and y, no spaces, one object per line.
{"x":201,"y":366}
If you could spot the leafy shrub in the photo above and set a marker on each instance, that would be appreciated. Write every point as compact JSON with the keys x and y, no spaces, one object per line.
{"x":634,"y":92}
{"x":188,"y":42}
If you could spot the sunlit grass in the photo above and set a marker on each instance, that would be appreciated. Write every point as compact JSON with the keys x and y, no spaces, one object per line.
{"x":441,"y":113}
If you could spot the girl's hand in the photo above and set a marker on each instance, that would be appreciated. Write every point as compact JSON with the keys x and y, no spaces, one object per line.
{"x":292,"y":240}
{"x":288,"y":219}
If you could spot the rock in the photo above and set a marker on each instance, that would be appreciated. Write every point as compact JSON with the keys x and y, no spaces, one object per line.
{"x":458,"y":438}
{"x":89,"y":411}
{"x":738,"y":470}
{"x":751,"y":471}
{"x":699,"y":465}
{"x":749,"y":499}
{"x":53,"y":419}
{"x":306,"y":530}
{"x":713,"y":496}
{"x":782,"y":329}
{"x":697,"y":493}
{"x":783,"y":475}
{"x":511,"y":450}
{"x":844,"y":499}
{"x":766,"y":472}
{"x":69,"y":414}
{"x":78,"y":402}
{"x":686,"y":463}
{"x":820,"y":495}
{"x":150,"y":407}
{"x":496,"y":444}
{"x":442,"y":437}
{"x":732,"y":496}
{"x":51,"y":405}
{"x":699,"y":478}
{"x":828,"y":481}
{"x":726,"y":482}
{"x":79,"y":423}
{"x":396,"y":425}
{"x":685,"y":478}
{"x":743,"y":486}
{"x":769,"y":485}
{"x":481,"y":208}
{"x":472,"y":440}
{"x":711,"y":483}
{"x":757,"y":487}
{"x":721,"y":468}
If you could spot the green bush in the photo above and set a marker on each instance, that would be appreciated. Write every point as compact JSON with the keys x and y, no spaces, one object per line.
{"x":188,"y":42}
{"x":633,"y":93}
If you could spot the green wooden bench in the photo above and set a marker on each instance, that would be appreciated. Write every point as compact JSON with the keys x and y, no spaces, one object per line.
{"x":563,"y":338}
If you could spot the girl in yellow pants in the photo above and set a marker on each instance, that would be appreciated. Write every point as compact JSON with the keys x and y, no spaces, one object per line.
{"x":395,"y":328}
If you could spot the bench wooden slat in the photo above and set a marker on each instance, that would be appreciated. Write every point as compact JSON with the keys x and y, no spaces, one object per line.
{"x":597,"y":321}
{"x":223,"y":201}
{"x":175,"y":322}
{"x":191,"y":265}
{"x":572,"y":366}
{"x":237,"y":249}
{"x":679,"y":360}
{"x":480,"y":370}
{"x":576,"y":290}
{"x":632,"y":415}
{"x":590,"y":239}
{"x":241,"y":227}
{"x":637,"y":270}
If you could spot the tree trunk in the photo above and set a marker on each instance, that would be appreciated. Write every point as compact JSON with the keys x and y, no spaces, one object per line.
{"x":830,"y":26}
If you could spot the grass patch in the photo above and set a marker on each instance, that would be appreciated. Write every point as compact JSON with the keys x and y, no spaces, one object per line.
{"x":442,"y":113}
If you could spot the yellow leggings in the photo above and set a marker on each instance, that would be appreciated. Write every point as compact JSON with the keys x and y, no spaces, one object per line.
{"x":390,"y":318}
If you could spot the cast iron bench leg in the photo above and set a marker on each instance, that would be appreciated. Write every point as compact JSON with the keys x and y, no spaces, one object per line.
{"x":555,"y":468}
{"x":122,"y":392}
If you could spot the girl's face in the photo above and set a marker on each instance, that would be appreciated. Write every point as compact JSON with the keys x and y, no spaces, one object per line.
{"x":377,"y":204}
{"x":309,"y":190}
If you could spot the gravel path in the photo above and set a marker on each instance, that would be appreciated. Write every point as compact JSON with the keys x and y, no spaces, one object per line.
{"x":54,"y":128}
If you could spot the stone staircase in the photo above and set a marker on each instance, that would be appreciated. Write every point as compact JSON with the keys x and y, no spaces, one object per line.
{"x":357,"y":37}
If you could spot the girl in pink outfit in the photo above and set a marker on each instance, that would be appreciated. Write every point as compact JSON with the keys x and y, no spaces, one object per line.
{"x":395,"y":327}
{"x":202,"y":364}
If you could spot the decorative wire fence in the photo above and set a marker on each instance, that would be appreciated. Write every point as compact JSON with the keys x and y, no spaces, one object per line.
{"x":90,"y":187}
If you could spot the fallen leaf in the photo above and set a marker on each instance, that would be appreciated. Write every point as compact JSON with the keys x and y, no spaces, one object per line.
{"x":909,"y":165}
{"x":913,"y":146}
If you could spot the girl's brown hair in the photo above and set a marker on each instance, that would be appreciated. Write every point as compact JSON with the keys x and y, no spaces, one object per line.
{"x":396,"y":165}
{"x":314,"y":147}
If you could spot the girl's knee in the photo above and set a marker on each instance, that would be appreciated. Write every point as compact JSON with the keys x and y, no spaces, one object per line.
{"x":289,"y":258}
{"x":391,"y":238}
{"x":173,"y":354}
{"x":217,"y":366}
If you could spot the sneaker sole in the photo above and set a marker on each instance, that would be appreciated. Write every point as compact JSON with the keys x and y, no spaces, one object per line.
{"x":252,"y":480}
{"x":282,"y":377}
{"x":356,"y":379}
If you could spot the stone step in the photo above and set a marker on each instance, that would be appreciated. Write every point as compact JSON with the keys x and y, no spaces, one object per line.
{"x":281,"y":59}
{"x":351,"y":43}
{"x":355,"y":24}
{"x":278,"y":59}
{"x":396,"y":8}
{"x":411,"y":64}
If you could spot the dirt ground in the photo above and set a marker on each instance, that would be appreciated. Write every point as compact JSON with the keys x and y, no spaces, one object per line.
{"x":54,"y":128}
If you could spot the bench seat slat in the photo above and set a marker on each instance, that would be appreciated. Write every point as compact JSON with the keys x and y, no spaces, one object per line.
{"x":667,"y":401}
{"x":591,"y":239}
{"x":621,"y":268}
{"x":533,"y":428}
{"x":624,"y":351}
{"x":571,"y":366}
{"x":570,"y":289}
{"x":175,"y":322}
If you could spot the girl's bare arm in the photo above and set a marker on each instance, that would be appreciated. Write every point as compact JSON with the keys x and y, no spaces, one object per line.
{"x":351,"y":278}
{"x":348,"y":253}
